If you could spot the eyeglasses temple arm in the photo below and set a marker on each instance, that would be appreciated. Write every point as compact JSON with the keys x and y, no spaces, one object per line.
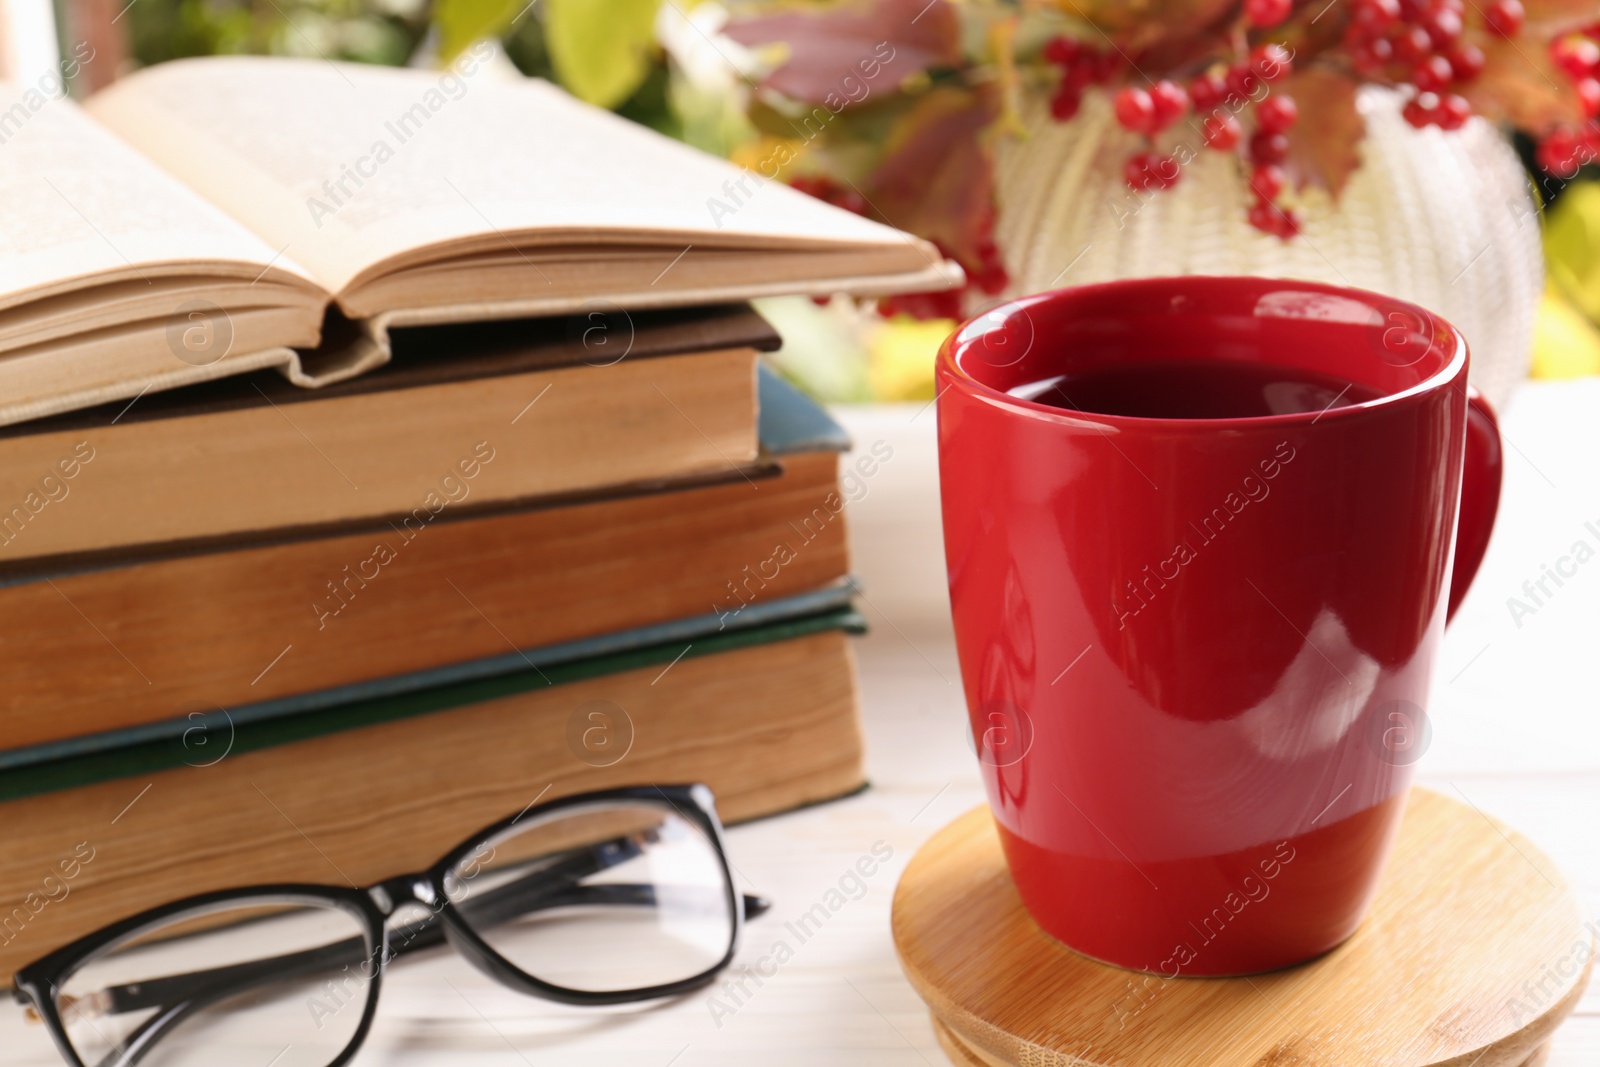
{"x":533,"y":892}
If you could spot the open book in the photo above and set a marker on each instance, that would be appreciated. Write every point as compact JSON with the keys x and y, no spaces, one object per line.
{"x":212,"y":216}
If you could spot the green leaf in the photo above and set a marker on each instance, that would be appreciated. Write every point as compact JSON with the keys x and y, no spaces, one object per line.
{"x":465,"y":22}
{"x":602,"y":52}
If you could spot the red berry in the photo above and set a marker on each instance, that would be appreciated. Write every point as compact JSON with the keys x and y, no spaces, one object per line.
{"x":1243,"y":83}
{"x":1270,"y":62}
{"x":1267,"y":181}
{"x":989,"y":279}
{"x":1273,"y":220}
{"x":1139,"y":171}
{"x":1453,"y":112}
{"x":1558,"y":153}
{"x":816,"y":185}
{"x":851,"y":201}
{"x":1062,"y":51}
{"x":1166,"y":172}
{"x":1135,"y":110}
{"x":1065,"y":103}
{"x":1170,"y":103}
{"x":1589,"y":97}
{"x":1268,"y":147}
{"x":1432,"y":74}
{"x":1222,"y":131}
{"x":924,"y":306}
{"x":1413,"y":45}
{"x":1277,"y":113}
{"x":1466,"y":62}
{"x":1374,"y":17}
{"x":1443,"y":26}
{"x":1207,"y":91}
{"x":1264,"y":217}
{"x":1578,"y":56}
{"x":1265,"y":13}
{"x":1421,"y":110}
{"x":1150,"y":170}
{"x":1371,"y":57}
{"x":1105,"y":65}
{"x":1504,"y":17}
{"x":1081,"y":74}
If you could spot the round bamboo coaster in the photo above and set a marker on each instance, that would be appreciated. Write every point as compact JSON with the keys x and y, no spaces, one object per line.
{"x":1474,"y":952}
{"x":965,"y":1056}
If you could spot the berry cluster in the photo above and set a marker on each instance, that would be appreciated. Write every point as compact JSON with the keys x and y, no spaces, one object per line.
{"x":1422,"y":45}
{"x":1419,"y":43}
{"x":1216,"y":97}
{"x":986,"y":275}
{"x":1081,"y":66}
{"x":1576,"y":55}
{"x":830,"y":191}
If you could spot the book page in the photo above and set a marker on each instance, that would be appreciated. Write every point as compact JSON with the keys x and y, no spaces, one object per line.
{"x":81,"y":205}
{"x":349,"y":166}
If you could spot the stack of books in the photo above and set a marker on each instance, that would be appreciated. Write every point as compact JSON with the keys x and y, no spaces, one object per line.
{"x":349,"y":504}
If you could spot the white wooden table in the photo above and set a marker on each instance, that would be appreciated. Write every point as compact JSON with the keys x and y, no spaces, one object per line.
{"x":1516,"y":720}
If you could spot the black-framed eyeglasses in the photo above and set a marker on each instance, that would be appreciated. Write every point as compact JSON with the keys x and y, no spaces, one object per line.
{"x":601,"y":898}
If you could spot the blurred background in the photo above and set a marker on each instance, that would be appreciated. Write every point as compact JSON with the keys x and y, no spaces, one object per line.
{"x":993,"y":128}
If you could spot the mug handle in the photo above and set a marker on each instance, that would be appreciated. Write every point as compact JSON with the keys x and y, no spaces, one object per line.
{"x":1480,"y":495}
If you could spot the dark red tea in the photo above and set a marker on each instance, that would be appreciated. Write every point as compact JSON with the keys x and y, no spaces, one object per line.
{"x":1194,"y":389}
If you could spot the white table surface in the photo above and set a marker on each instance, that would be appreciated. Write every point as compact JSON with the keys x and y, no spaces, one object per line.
{"x":1516,"y":731}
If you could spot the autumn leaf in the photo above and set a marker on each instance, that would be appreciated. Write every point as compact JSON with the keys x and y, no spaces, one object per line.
{"x":1150,"y":26}
{"x":936,"y":178}
{"x":1324,"y":144}
{"x":1521,"y":86}
{"x":1002,"y":42}
{"x":1546,"y":18}
{"x":840,"y":53}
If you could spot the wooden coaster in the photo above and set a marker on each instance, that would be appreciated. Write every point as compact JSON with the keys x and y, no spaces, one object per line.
{"x":1474,"y":952}
{"x":963,"y":1055}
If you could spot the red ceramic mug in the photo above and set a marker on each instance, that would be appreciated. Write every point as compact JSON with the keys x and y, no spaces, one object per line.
{"x":1196,"y":639}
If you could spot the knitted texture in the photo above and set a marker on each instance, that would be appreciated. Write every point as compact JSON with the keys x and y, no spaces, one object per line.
{"x":1443,"y":219}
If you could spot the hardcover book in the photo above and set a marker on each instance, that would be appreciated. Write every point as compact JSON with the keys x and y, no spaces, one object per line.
{"x":211,"y":216}
{"x":109,"y":641}
{"x":766,"y":715}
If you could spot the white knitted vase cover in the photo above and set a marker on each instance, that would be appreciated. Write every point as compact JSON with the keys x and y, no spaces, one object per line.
{"x":1445,"y":220}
